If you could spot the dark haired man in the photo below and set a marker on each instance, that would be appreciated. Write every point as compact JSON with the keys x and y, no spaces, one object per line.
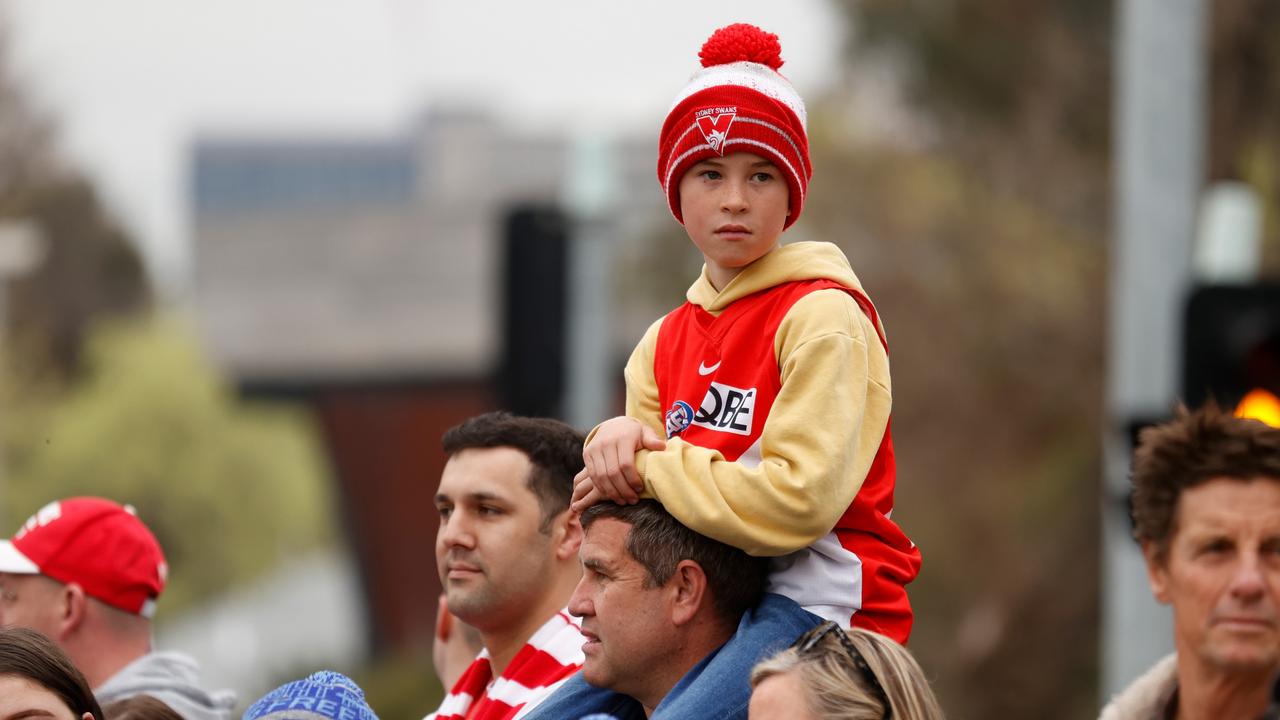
{"x":507,"y":553}
{"x":658,"y":601}
{"x":1206,"y":510}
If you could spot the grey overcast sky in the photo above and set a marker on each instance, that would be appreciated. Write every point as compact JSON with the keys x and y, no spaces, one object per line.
{"x":131,"y":82}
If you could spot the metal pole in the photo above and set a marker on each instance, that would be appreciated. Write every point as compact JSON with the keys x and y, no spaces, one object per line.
{"x":1159,"y":107}
{"x":590,"y":195}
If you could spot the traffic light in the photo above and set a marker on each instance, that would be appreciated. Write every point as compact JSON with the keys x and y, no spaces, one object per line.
{"x":536,"y":251}
{"x":1231,"y":349}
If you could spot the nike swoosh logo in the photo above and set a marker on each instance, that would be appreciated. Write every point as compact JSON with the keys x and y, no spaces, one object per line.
{"x":704,"y":370}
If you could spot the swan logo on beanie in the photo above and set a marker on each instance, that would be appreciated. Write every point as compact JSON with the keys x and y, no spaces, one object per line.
{"x":737,"y":102}
{"x":714,"y":124}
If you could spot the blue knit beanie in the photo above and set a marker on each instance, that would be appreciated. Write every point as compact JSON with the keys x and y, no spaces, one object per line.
{"x":325,"y":694}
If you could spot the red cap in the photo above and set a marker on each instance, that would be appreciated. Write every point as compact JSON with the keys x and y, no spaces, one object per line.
{"x":100,"y":545}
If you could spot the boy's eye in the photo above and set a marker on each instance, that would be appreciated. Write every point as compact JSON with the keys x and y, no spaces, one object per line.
{"x":444,"y":510}
{"x":711,"y":174}
{"x":762,"y":176}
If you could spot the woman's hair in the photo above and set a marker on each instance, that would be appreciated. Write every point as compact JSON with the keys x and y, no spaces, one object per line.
{"x":28,"y":654}
{"x":140,"y":707}
{"x":836,"y":689}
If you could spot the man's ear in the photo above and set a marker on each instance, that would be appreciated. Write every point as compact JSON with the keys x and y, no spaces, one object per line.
{"x":686,"y":590}
{"x":72,"y":606}
{"x":567,"y":534}
{"x":1157,"y":571}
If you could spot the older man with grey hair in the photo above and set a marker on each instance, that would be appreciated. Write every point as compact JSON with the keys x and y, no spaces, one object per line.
{"x":1206,"y":511}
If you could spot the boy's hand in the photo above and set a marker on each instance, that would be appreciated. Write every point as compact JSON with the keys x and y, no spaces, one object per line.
{"x":585,"y":493}
{"x":611,"y":463}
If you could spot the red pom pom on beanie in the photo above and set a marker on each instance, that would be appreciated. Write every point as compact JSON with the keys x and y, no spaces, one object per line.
{"x":738,"y":102}
{"x":742,"y":42}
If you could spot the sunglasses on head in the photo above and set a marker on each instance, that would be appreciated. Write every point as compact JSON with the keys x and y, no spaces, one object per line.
{"x":812,"y":637}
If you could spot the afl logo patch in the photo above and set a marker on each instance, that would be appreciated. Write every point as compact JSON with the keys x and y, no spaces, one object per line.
{"x":678,"y":418}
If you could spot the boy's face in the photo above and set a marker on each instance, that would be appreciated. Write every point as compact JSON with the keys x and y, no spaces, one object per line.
{"x":734,"y":208}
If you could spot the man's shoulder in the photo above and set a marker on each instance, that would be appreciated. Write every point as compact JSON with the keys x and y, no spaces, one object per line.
{"x":1146,"y":697}
{"x":172,"y":678}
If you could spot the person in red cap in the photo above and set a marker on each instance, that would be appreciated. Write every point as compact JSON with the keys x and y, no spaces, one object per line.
{"x":86,"y":572}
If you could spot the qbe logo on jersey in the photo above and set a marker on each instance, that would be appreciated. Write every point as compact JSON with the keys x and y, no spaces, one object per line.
{"x":727,"y":409}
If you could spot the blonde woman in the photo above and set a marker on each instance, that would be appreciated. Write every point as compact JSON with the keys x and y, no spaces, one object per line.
{"x":830,"y":675}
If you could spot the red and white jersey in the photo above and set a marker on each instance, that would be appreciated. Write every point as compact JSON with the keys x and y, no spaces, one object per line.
{"x":728,"y":366}
{"x":551,"y":656}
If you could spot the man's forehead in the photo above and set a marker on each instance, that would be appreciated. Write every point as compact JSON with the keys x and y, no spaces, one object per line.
{"x":1231,"y":504}
{"x":606,"y":538}
{"x":498,"y":472}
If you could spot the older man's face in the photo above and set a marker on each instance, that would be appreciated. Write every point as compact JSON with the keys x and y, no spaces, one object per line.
{"x":1222,"y":574}
{"x":624,"y":619}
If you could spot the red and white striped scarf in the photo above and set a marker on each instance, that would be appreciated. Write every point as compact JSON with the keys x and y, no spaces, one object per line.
{"x":552,"y":655}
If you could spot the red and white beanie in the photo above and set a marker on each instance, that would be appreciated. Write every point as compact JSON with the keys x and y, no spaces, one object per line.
{"x":738,"y":102}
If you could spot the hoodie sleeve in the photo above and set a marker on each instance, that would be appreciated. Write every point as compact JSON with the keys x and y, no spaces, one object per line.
{"x":817,"y":444}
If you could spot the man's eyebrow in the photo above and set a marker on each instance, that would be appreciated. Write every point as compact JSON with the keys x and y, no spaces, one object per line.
{"x":479,"y":496}
{"x":595,"y":565}
{"x":484,"y":497}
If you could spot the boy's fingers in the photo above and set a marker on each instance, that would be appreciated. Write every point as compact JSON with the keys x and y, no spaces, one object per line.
{"x":606,"y":481}
{"x":590,"y":496}
{"x":618,"y":485}
{"x":590,"y":499}
{"x":581,"y":486}
{"x":652,"y":440}
{"x":631,"y":478}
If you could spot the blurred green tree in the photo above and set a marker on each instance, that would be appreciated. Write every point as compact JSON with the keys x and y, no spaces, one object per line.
{"x":150,"y":423}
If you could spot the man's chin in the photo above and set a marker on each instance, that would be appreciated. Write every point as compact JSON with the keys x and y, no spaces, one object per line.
{"x":594,"y":674}
{"x":465,"y":603}
{"x":1245,"y":656}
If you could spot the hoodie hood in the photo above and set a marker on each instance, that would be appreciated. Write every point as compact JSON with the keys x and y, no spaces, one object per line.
{"x":169,"y":677}
{"x":797,"y":261}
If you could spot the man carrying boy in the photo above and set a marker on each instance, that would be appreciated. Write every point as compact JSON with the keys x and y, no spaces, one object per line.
{"x":771,"y":384}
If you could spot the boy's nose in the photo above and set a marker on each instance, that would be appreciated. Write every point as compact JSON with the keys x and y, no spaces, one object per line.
{"x":734,"y":199}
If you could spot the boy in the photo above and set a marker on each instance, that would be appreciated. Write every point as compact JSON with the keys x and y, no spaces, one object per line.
{"x":771,"y":384}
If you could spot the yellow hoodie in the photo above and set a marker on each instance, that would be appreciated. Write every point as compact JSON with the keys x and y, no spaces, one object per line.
{"x":821,"y":435}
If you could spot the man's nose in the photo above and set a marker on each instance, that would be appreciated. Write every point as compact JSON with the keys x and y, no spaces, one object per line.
{"x":1248,"y":582}
{"x":579,"y":602}
{"x":455,"y":531}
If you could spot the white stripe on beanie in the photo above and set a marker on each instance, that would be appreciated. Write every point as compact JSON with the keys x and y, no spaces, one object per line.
{"x":761,"y":78}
